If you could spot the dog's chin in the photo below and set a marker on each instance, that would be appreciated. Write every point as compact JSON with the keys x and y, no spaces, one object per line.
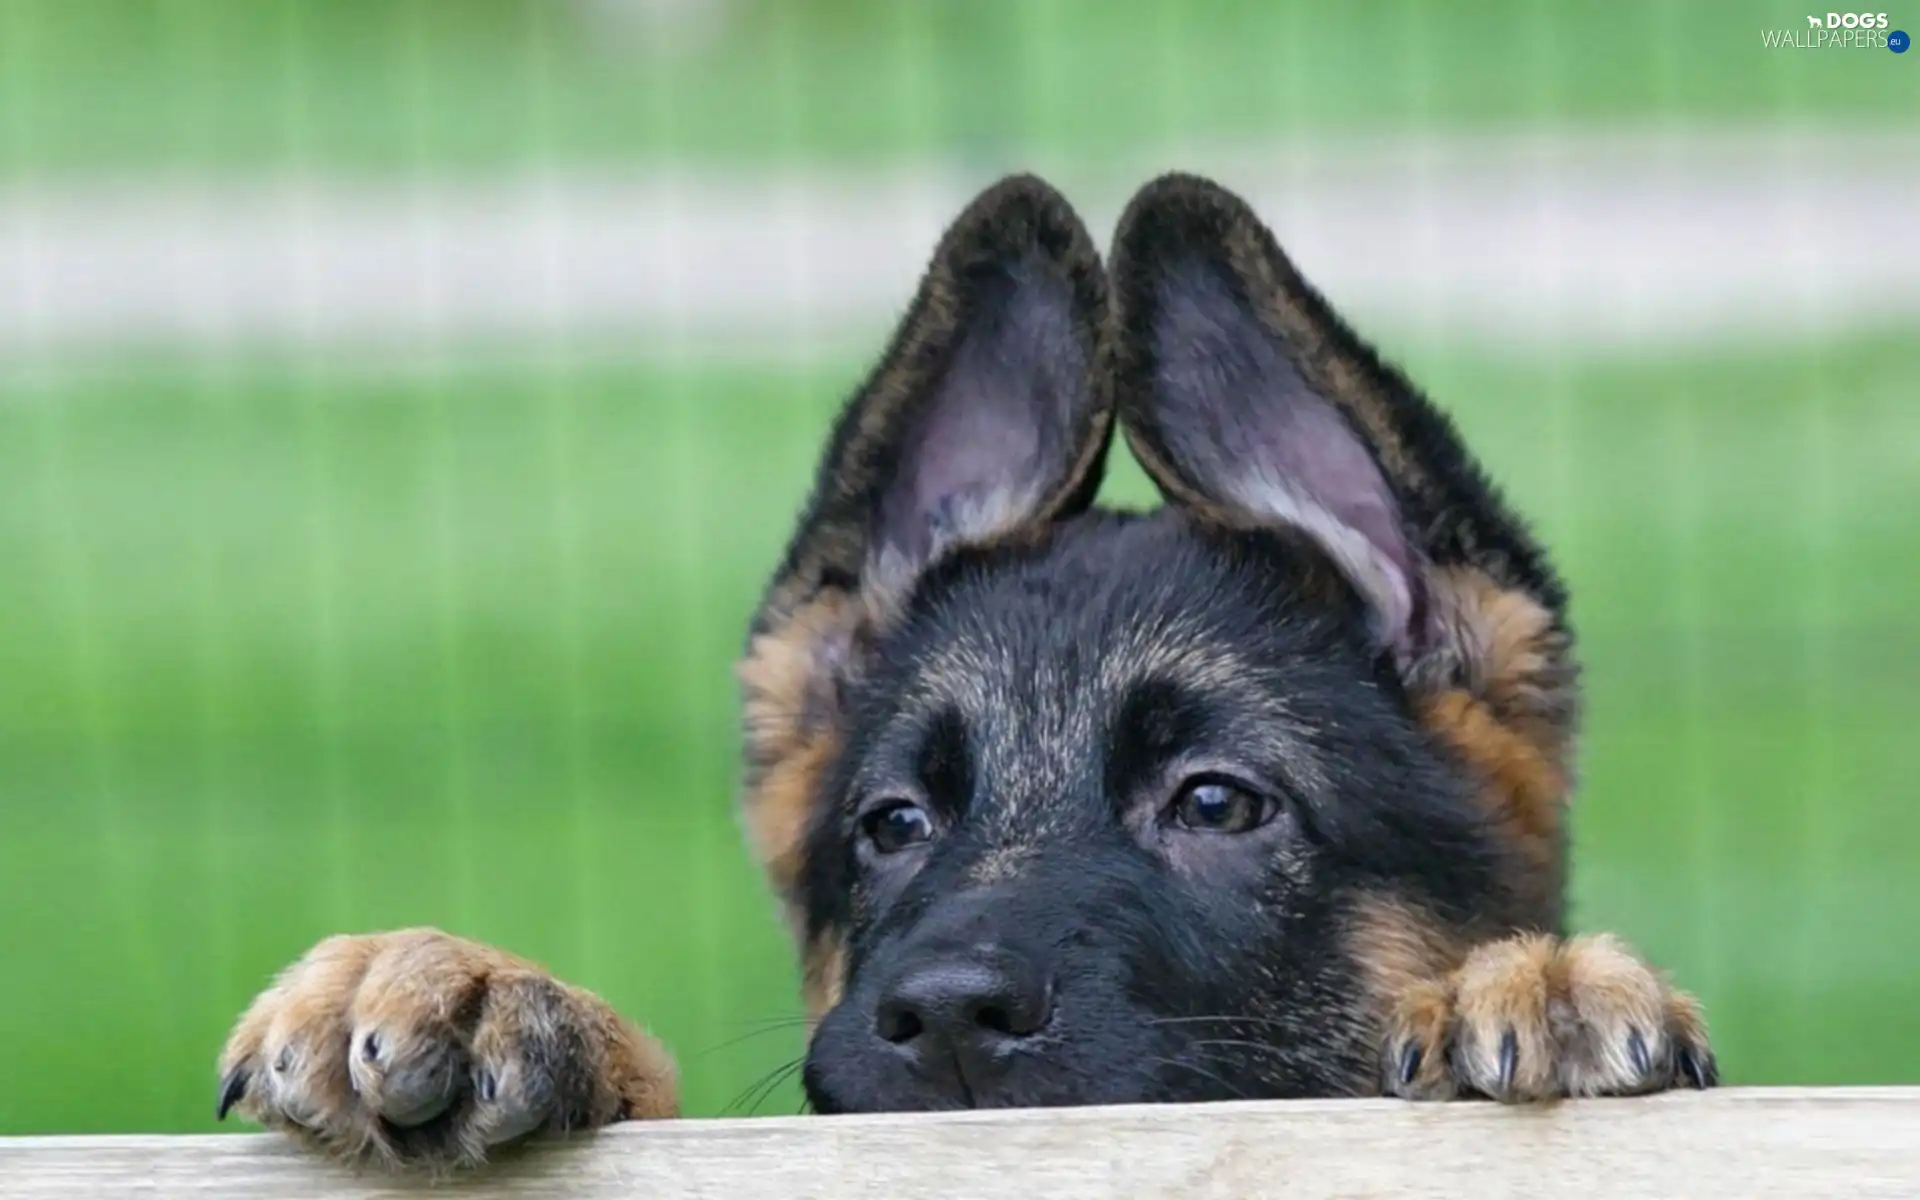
{"x":851,"y":1088}
{"x":831,"y":1101}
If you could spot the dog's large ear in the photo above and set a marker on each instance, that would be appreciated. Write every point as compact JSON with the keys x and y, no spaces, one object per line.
{"x":980,"y":421}
{"x":1243,"y":395}
{"x":1246,"y":398}
{"x":980,"y":417}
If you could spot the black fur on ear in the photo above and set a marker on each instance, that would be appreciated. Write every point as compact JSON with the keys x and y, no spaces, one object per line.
{"x":981,"y":416}
{"x":1244,"y":395}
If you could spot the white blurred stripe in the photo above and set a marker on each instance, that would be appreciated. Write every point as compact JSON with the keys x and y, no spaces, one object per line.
{"x":1563,"y":241}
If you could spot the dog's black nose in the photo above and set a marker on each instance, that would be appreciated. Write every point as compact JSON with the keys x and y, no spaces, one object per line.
{"x":964,"y":1011}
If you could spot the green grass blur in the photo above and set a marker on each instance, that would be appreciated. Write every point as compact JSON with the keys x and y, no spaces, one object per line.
{"x":283,"y":655}
{"x":369,"y":83}
{"x":296,"y":647}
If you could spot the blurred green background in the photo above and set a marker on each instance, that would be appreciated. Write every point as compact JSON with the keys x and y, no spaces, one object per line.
{"x":302,"y":634}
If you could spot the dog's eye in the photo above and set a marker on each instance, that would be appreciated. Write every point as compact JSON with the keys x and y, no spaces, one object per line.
{"x":1215,"y":806}
{"x":896,"y":825}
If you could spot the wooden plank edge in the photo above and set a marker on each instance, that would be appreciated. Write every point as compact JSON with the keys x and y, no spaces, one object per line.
{"x":1730,"y":1143}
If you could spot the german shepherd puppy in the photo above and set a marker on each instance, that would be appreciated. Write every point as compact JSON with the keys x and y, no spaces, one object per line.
{"x":1261,"y":794}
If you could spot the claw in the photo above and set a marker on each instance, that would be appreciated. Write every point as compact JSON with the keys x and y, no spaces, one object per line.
{"x":489,"y":1086}
{"x":1509,"y":1059}
{"x":1637,"y":1050}
{"x":1410,"y":1056}
{"x":232,"y":1088}
{"x":1699,"y":1070}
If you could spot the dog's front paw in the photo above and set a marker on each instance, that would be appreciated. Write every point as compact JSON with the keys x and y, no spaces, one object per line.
{"x":1535,"y":1017}
{"x":418,"y":1049}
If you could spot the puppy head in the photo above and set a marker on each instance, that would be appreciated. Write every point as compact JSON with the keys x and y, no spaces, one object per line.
{"x":1069,"y":806}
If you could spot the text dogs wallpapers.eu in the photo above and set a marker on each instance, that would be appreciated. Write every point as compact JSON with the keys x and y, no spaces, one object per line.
{"x":1260,"y":794}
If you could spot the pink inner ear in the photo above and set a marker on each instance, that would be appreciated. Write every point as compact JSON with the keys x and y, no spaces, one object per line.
{"x":1307,"y":467}
{"x":1308,"y":446}
{"x":1244,"y":427}
{"x":967,"y":449}
{"x":993,"y":438}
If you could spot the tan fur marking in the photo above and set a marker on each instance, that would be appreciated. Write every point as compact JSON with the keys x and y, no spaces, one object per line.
{"x":778,"y":810}
{"x":823,"y":975}
{"x":781,"y":681}
{"x":1524,"y":791}
{"x":1397,"y":946}
{"x":782,"y":669}
{"x":1507,"y":714}
{"x":1510,"y":652}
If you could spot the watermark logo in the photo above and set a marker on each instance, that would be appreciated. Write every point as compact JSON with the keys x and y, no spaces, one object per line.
{"x":1838,"y":31}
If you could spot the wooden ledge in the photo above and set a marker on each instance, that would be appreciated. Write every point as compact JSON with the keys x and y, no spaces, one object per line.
{"x":1730,"y":1144}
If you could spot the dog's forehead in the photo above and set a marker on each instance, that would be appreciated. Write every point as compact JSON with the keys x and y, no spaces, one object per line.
{"x":1039,"y":658}
{"x":1054,"y":656}
{"x":1101,"y":606}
